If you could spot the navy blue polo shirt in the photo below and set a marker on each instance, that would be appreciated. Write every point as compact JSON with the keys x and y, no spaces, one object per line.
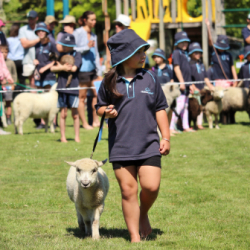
{"x":226,"y":62}
{"x":133,"y":133}
{"x":245,"y":73}
{"x":181,"y":58}
{"x":198,"y":73}
{"x":245,"y":33}
{"x":164,"y":75}
{"x":42,"y":55}
{"x":63,"y":75}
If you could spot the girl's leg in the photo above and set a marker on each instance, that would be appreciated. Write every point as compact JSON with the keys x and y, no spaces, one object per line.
{"x":150,"y":178}
{"x":96,"y":122}
{"x":127,"y":179}
{"x":75,"y":117}
{"x":63,"y":117}
{"x":81,"y":107}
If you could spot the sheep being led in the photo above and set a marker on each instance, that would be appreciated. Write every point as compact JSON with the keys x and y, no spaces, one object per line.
{"x":36,"y":106}
{"x":87,"y":186}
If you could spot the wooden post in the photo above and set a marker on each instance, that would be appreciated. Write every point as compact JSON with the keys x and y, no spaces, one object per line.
{"x":118,"y":7}
{"x":204,"y":35}
{"x":161,"y":26}
{"x":173,"y":10}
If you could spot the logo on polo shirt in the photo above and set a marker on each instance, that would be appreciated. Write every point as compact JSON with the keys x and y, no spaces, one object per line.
{"x":67,"y":38}
{"x":147,"y":91}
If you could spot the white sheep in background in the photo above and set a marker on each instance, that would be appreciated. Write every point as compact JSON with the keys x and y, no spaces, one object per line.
{"x":87,"y":186}
{"x":235,"y":99}
{"x":36,"y":106}
{"x":214,"y":107}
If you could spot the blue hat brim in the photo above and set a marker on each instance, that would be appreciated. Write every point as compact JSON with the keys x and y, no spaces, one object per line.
{"x":245,"y":56}
{"x":222,"y":48}
{"x":143,"y":45}
{"x":67,"y":45}
{"x":182,"y":40}
{"x":156,"y":54}
{"x":43,"y":29}
{"x":195,"y":50}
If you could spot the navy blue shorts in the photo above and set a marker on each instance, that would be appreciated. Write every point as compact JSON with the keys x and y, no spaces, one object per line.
{"x":67,"y":100}
{"x":154,"y":161}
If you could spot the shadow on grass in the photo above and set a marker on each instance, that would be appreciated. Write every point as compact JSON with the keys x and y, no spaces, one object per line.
{"x":113,"y":233}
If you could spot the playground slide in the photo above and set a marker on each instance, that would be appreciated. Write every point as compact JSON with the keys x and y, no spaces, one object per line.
{"x":142,"y":28}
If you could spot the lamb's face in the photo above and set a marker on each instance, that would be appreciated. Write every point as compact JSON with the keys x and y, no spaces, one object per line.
{"x":86,"y":171}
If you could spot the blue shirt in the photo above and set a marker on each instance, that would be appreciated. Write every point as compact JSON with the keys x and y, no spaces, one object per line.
{"x":245,"y":73}
{"x":164,"y":75}
{"x":90,"y":56}
{"x":133,"y":133}
{"x":245,"y":33}
{"x":16,"y":51}
{"x":198,"y":73}
{"x":226,"y":62}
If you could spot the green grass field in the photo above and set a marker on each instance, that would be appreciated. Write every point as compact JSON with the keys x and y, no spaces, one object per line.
{"x":203,"y":201}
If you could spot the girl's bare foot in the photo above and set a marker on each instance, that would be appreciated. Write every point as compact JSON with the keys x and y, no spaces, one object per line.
{"x":87,"y":126}
{"x":63,"y":140}
{"x":144,"y":226}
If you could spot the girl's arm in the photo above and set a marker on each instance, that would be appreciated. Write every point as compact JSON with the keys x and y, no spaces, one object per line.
{"x":179,"y":76}
{"x":46,"y":67}
{"x":162,"y":121}
{"x":234,"y":75}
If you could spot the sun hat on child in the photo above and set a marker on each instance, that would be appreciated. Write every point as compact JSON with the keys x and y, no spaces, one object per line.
{"x":194,"y":47}
{"x":246,"y":51}
{"x":180,"y":37}
{"x":123,"y":45}
{"x":41,"y":26}
{"x":222,"y":43}
{"x":67,"y":40}
{"x":160,"y":53}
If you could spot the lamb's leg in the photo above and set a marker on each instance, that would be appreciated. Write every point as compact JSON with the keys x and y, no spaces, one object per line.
{"x":95,"y":224}
{"x":216,"y":122}
{"x":80,"y":221}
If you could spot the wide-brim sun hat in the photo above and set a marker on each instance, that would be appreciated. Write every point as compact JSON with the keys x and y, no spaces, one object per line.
{"x":42,"y":26}
{"x":222,"y":43}
{"x":246,"y":51}
{"x":67,"y":40}
{"x":68,"y":19}
{"x":180,"y":37}
{"x":194,"y":47}
{"x":124,"y":45}
{"x":160,"y":53}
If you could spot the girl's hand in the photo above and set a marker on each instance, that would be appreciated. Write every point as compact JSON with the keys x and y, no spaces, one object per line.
{"x":111,"y":112}
{"x":164,"y":147}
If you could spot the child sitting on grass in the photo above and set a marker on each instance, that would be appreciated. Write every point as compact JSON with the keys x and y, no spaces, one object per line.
{"x":68,"y":98}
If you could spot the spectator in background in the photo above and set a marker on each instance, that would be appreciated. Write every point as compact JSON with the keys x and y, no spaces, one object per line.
{"x":51,"y":22}
{"x":122,"y":22}
{"x":69,"y":25}
{"x":29,"y":39}
{"x":2,"y":36}
{"x":86,"y":44}
{"x":246,"y":32}
{"x":12,"y":69}
{"x":16,"y":51}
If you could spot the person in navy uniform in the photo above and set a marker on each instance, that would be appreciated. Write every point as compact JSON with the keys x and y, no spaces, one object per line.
{"x":182,"y":74}
{"x":198,"y":73}
{"x":68,"y":98}
{"x":162,"y":70}
{"x":245,"y":68}
{"x":246,"y":32}
{"x":133,"y":100}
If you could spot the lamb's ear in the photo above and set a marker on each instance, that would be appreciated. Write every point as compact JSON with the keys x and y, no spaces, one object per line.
{"x":73,"y":164}
{"x":100,"y":163}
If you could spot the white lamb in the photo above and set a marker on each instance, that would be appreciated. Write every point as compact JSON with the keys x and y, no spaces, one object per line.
{"x":36,"y":106}
{"x":87,"y":186}
{"x":214,"y":107}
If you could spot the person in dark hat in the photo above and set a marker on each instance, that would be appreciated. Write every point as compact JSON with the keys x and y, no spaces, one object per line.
{"x":162,"y":70}
{"x":68,"y":98}
{"x":133,"y":100}
{"x":198,"y":73}
{"x":182,"y":74}
{"x":222,"y":61}
{"x":244,"y":70}
{"x":246,"y":32}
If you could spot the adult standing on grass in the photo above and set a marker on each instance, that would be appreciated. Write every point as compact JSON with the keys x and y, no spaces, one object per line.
{"x":29,"y":39}
{"x":134,"y":102}
{"x":86,"y":44}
